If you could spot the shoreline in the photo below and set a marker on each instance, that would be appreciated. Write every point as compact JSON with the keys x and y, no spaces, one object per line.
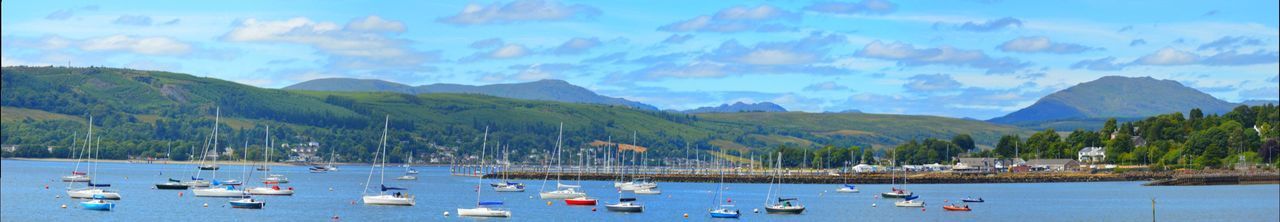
{"x":167,"y":162}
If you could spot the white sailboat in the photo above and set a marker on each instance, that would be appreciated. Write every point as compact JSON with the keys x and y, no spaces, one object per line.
{"x":563,"y":191}
{"x":894,"y":191}
{"x":272,"y":181}
{"x":76,"y":175}
{"x":507,"y":185}
{"x":848,"y":188}
{"x":384,"y":198}
{"x":409,"y":173}
{"x":92,"y":190}
{"x":784,"y":205}
{"x":214,"y":191}
{"x":247,"y":202}
{"x":627,"y":204}
{"x":484,"y":208}
{"x":723,"y":210}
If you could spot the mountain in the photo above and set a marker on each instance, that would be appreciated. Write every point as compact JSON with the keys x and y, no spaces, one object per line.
{"x":139,"y":113}
{"x":740,"y":107}
{"x":1114,"y":97}
{"x":549,"y":90}
{"x":1257,"y":102}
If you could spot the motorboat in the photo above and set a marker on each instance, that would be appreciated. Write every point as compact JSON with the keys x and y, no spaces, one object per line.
{"x":956,"y":208}
{"x":580,"y":201}
{"x":81,"y":177}
{"x":563,"y":193}
{"x":407,"y":177}
{"x":785,"y":206}
{"x":725,"y":211}
{"x":247,"y":203}
{"x":847,"y":188}
{"x":231,"y":182}
{"x":485,"y":209}
{"x":390,"y":199}
{"x":896,"y":193}
{"x":273,"y":190}
{"x":971,"y":200}
{"x":276,"y":178}
{"x":509,"y":188}
{"x":411,"y":171}
{"x":227,"y":191}
{"x":210,"y":167}
{"x":197,"y":182}
{"x":625,"y":205}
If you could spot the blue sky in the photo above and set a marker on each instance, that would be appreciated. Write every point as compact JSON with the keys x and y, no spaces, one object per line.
{"x":977,"y":59}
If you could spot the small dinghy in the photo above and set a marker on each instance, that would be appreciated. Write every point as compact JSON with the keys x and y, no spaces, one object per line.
{"x":956,"y":208}
{"x":99,"y":202}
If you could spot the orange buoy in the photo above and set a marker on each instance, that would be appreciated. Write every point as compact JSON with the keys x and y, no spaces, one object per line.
{"x":179,"y":193}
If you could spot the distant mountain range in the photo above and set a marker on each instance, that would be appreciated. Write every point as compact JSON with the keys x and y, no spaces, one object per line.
{"x":740,"y":107}
{"x":548,"y":90}
{"x":1112,"y":97}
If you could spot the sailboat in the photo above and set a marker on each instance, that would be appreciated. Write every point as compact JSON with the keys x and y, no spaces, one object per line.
{"x":409,"y":173}
{"x":383,"y":198}
{"x":484,"y":208}
{"x":580,"y":200}
{"x":910,"y":199}
{"x":507,"y":185}
{"x":723,"y":210}
{"x":248,"y":202}
{"x":91,"y":189}
{"x":625,"y":204}
{"x":784,"y":205}
{"x":271,"y":181}
{"x":896,"y":192}
{"x":848,"y":188}
{"x":214,"y":191}
{"x":76,"y":175}
{"x":99,"y":202}
{"x":563,"y":191}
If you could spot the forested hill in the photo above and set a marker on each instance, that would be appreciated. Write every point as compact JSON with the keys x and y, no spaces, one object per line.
{"x":547,"y":89}
{"x":138,"y":113}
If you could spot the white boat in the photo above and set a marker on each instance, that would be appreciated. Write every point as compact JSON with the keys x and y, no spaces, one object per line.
{"x":847,"y":189}
{"x":484,"y":208}
{"x":648,"y":191}
{"x":407,"y":177}
{"x":247,"y":203}
{"x":196,"y":183}
{"x":783,"y":205}
{"x":384,"y":198}
{"x":389,"y":199}
{"x":509,"y":188}
{"x":625,"y":205}
{"x":724,"y":210}
{"x":76,"y":178}
{"x":563,"y":191}
{"x":275,"y":178}
{"x":274,"y":190}
{"x":89,"y":192}
{"x":226,"y":191}
{"x":909,"y":203}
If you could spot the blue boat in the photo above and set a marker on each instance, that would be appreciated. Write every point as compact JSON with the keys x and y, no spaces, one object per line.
{"x":725,"y":211}
{"x":971,"y":200}
{"x":247,"y":203}
{"x":99,"y":202}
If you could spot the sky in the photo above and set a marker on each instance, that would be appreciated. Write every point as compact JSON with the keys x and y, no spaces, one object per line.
{"x":970,"y":59}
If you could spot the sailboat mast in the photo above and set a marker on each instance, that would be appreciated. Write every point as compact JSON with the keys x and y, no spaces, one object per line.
{"x":383,"y":148}
{"x":559,"y":161}
{"x":483,"y":144}
{"x":217,"y":114}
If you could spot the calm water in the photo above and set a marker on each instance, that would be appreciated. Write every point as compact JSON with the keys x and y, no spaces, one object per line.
{"x":24,"y":198}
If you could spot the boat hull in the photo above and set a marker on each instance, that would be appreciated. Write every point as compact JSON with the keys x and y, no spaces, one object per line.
{"x":172,"y":186}
{"x":725,"y":214}
{"x":407,"y":177}
{"x":784,"y":209}
{"x":88,"y":194}
{"x":628,"y":208}
{"x":506,"y":188}
{"x":218,"y":192}
{"x":580,"y":202}
{"x":560,"y":195}
{"x":96,"y":205}
{"x":846,"y":190}
{"x":648,"y":191}
{"x":76,"y":178}
{"x":895,"y":195}
{"x":483,"y":212}
{"x":389,"y":200}
{"x":247,"y":204}
{"x":973,"y":201}
{"x":197,"y":183}
{"x":270,"y":191}
{"x":909,"y":203}
{"x":955,"y":208}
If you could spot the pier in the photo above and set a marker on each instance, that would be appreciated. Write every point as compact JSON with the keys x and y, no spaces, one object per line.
{"x":812,"y":176}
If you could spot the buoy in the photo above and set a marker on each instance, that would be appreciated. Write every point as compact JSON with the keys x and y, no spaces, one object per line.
{"x":206,"y":205}
{"x":46,"y":186}
{"x":686,"y":215}
{"x":179,"y":193}
{"x":335,"y":218}
{"x":548,"y":203}
{"x":757,"y":210}
{"x":446,"y":213}
{"x":290,"y":188}
{"x":921,"y":209}
{"x":331,"y":189}
{"x":873,"y":204}
{"x":353,"y":202}
{"x":593,"y":209}
{"x":57,"y":196}
{"x":944,"y":201}
{"x":64,"y":206}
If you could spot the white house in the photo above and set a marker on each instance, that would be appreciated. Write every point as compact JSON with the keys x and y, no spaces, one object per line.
{"x":1092,"y":155}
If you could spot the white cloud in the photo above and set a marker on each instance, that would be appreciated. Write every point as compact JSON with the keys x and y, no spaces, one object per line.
{"x":825,"y":86}
{"x":508,"y":51}
{"x":736,"y":19}
{"x":576,"y":46}
{"x":862,"y":7}
{"x":135,"y":44}
{"x":1168,"y":56}
{"x":374,"y":23}
{"x":1041,"y":44}
{"x":519,"y":11}
{"x":908,"y":55}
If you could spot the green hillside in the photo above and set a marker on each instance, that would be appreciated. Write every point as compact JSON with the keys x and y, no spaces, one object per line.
{"x":1113,"y":97}
{"x":142,"y":113}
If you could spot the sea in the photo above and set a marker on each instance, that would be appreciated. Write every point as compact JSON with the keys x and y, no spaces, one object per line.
{"x":32,"y":191}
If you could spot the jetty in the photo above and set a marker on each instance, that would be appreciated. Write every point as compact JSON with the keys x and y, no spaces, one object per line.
{"x":831,"y":177}
{"x":1232,"y":178}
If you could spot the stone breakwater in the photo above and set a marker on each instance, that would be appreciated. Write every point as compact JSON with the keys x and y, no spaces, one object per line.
{"x":874,"y":178}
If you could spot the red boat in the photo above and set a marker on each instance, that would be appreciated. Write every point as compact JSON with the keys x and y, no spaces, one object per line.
{"x":956,"y":208}
{"x":580,"y":201}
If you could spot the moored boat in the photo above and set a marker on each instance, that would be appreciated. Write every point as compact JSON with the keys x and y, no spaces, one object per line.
{"x":247,"y":203}
{"x":485,"y":209}
{"x":625,"y":205}
{"x":909,"y":202}
{"x":725,"y":211}
{"x":956,"y":208}
{"x":580,"y":201}
{"x":172,"y":185}
{"x":227,"y":191}
{"x":648,"y":191}
{"x":971,"y":200}
{"x":847,"y":188}
{"x":98,"y":202}
{"x":273,"y":190}
{"x":785,"y":206}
